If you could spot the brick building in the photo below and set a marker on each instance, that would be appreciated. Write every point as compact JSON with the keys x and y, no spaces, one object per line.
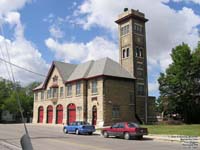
{"x":102,"y":91}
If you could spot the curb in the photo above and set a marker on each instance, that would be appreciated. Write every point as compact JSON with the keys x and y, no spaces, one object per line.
{"x":175,"y":138}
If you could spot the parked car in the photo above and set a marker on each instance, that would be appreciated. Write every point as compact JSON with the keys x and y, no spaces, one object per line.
{"x":125,"y":130}
{"x":79,"y":127}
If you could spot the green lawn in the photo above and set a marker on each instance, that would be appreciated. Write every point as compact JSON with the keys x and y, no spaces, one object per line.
{"x":174,"y":129}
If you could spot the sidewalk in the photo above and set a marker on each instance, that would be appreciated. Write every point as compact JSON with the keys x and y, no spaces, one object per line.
{"x":169,"y":138}
{"x":174,"y":138}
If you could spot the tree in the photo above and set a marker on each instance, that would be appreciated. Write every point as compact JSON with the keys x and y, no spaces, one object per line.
{"x":179,"y":86}
{"x":9,"y":96}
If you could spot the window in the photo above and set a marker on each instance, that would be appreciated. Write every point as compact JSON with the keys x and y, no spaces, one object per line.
{"x":140,"y":74}
{"x":94,"y":86}
{"x":78,"y":88}
{"x":121,"y":125}
{"x":124,"y":30}
{"x":133,"y":125}
{"x":140,"y":89}
{"x":48,"y":94}
{"x":139,"y":52}
{"x":42,"y":95}
{"x":55,"y":79}
{"x":54,"y":92}
{"x":127,"y":52}
{"x":123,"y":53}
{"x":69,"y":90}
{"x":116,"y":112}
{"x":138,"y":28}
{"x":132,"y":98}
{"x":61,"y":92}
{"x":36,"y":96}
{"x":140,"y":66}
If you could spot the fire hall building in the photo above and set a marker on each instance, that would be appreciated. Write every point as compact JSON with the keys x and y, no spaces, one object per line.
{"x":103,"y":91}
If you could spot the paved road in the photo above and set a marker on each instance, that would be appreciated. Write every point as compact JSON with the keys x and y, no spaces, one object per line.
{"x":51,"y":137}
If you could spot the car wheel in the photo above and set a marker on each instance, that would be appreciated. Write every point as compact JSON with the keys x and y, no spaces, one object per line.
{"x":77,"y":132}
{"x":126,"y":136}
{"x":90,"y":133}
{"x":105,"y":134}
{"x":65,"y":130}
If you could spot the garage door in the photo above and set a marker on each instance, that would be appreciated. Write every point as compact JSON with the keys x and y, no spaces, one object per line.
{"x":59,"y":114}
{"x":71,"y":109}
{"x":40,"y":114}
{"x":49,"y":114}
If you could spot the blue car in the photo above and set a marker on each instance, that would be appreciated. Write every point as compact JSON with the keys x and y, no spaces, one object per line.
{"x":79,"y":127}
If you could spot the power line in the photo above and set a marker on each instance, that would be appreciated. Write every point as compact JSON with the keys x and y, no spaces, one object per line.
{"x":25,"y":140}
{"x":7,"y":62}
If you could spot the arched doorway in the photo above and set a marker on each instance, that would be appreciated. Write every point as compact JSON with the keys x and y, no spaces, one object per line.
{"x":94,"y":115}
{"x":49,"y":114}
{"x":40,"y":114}
{"x":59,"y":114}
{"x":71,"y":113}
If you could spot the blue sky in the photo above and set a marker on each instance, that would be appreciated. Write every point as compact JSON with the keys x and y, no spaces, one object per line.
{"x":36,"y":32}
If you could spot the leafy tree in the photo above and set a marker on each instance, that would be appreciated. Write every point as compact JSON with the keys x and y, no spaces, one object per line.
{"x":9,"y":93}
{"x":179,"y":86}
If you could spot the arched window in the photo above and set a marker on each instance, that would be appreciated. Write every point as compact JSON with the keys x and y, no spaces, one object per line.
{"x":123,"y":53}
{"x":127,"y":52}
{"x":141,"y":52}
{"x":137,"y":52}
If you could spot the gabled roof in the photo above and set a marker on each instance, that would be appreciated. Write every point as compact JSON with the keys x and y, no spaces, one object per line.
{"x":65,"y":69}
{"x":81,"y":71}
{"x":90,"y":69}
{"x":108,"y":67}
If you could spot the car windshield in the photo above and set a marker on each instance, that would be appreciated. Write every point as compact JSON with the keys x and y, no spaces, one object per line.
{"x":133,"y":125}
{"x":82,"y":123}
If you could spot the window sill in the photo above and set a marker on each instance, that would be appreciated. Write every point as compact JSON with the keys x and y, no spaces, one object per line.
{"x":95,"y":93}
{"x":78,"y":95}
{"x":69,"y":96}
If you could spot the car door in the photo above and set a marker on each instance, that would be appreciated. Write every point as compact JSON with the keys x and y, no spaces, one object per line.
{"x":121,"y":129}
{"x":114,"y":129}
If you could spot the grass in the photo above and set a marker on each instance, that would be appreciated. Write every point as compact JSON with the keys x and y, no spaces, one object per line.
{"x":191,"y":130}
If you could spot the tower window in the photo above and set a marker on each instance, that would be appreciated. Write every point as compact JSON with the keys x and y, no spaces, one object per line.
{"x":127,"y":52}
{"x":124,"y":30}
{"x":138,"y":28}
{"x":123,"y":53}
{"x":140,"y":73}
{"x":140,"y":89}
{"x":139,"y":52}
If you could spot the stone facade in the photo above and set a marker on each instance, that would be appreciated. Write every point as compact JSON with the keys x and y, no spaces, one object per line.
{"x":110,"y":92}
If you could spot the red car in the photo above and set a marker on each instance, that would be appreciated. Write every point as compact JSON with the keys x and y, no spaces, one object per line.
{"x":125,"y":130}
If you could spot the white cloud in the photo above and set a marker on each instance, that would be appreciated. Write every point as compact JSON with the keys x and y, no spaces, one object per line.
{"x":95,"y":49}
{"x":56,"y":32}
{"x":165,"y":29}
{"x":11,"y":5}
{"x":153,"y":87}
{"x":21,"y":52}
{"x":187,"y":1}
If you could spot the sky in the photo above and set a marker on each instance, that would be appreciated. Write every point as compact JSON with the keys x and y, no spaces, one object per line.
{"x":36,"y":32}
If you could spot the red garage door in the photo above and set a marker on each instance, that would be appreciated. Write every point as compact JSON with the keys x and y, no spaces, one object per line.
{"x":59,"y":114}
{"x":40,"y":114}
{"x":49,"y":114}
{"x":71,"y":109}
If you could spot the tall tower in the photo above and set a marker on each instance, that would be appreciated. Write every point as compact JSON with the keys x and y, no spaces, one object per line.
{"x":132,"y":54}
